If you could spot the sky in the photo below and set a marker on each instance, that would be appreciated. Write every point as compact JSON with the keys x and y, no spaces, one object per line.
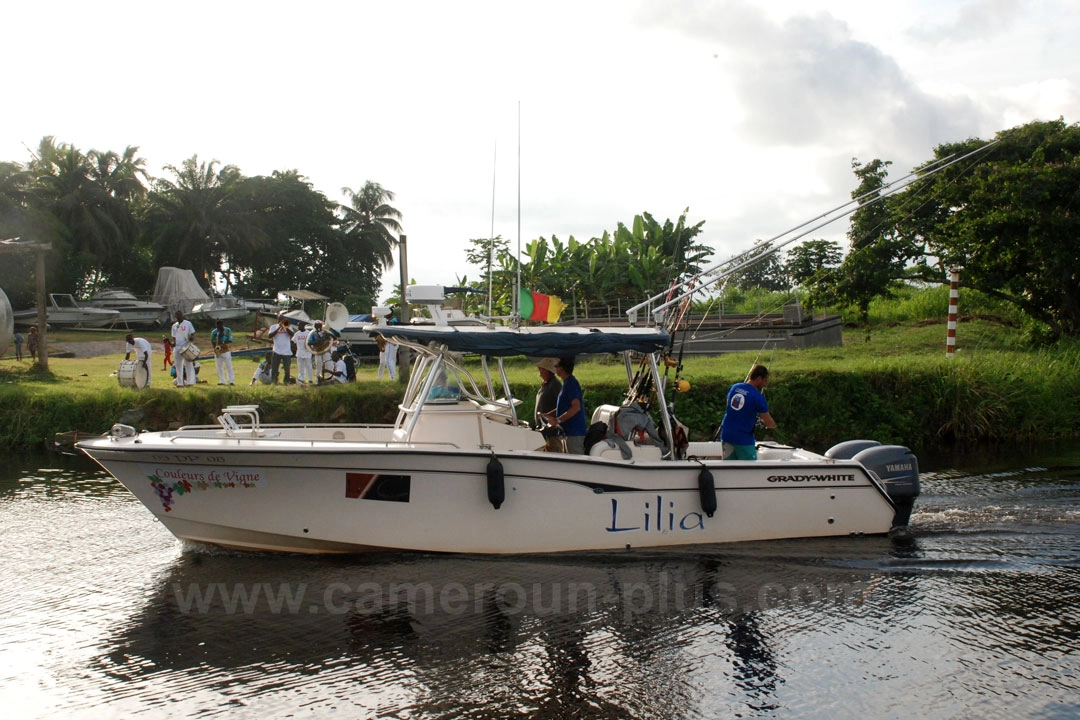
{"x":530,"y":120}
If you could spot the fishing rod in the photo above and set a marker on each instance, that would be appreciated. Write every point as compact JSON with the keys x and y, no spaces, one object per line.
{"x":837,"y":213}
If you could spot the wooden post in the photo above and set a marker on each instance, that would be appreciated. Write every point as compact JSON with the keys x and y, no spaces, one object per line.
{"x":42,"y":318}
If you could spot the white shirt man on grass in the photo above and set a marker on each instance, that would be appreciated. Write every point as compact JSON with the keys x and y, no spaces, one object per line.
{"x":182,"y":333}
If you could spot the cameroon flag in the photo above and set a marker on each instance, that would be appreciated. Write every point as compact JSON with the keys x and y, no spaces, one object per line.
{"x":536,"y":306}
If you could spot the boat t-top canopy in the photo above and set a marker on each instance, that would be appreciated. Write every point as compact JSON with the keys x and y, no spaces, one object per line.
{"x":531,"y":341}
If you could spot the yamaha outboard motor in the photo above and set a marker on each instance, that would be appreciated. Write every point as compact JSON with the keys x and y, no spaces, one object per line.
{"x":896,"y":467}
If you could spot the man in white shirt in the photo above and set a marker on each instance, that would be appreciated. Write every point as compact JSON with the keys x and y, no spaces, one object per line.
{"x":304,"y":374}
{"x":341,"y":370}
{"x":282,"y":334}
{"x":142,"y":349}
{"x":182,"y":333}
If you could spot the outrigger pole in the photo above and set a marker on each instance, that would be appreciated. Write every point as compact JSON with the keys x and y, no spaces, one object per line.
{"x":691,"y":285}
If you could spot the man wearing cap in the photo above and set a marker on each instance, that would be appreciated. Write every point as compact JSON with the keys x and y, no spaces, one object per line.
{"x":547,"y":397}
{"x":320,"y":360}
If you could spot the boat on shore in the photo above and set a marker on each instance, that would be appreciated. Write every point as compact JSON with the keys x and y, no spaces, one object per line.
{"x":460,"y":471}
{"x":62,"y":311}
{"x":134,"y":313}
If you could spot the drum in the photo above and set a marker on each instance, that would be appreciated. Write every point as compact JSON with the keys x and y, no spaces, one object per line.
{"x":190,"y":351}
{"x":132,"y":374}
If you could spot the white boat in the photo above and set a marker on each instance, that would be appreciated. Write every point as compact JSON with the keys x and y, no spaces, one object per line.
{"x":64,"y":311}
{"x":177,"y":289}
{"x":219,"y":308}
{"x":133,"y":311}
{"x":460,"y":471}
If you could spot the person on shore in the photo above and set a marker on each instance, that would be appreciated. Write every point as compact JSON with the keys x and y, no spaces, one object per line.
{"x":166,"y":345}
{"x":340,"y":373}
{"x":182,"y":333}
{"x":305,"y":374}
{"x":547,"y":398}
{"x":32,"y":343}
{"x":18,"y":345}
{"x":281,"y":334}
{"x":387,"y":357}
{"x":222,"y":339}
{"x":262,"y":372}
{"x":142,"y":349}
{"x":745,"y":404}
{"x":321,"y":360}
{"x":569,"y":413}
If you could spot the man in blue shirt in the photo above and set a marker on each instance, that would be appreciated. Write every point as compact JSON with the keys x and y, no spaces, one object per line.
{"x":745,"y":404}
{"x":569,"y":413}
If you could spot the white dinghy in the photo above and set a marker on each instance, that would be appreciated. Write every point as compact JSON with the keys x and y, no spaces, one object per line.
{"x":460,"y":471}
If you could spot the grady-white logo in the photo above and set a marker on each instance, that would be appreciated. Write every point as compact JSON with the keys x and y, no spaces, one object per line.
{"x":810,"y":478}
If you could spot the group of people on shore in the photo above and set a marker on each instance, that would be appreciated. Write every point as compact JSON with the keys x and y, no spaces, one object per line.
{"x":31,"y":341}
{"x":319,"y":356}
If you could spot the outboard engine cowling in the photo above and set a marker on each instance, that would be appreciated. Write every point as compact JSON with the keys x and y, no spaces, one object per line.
{"x":898,"y":469}
{"x":849,"y":449}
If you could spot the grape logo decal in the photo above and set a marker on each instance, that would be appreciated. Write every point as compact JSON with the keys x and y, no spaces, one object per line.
{"x":173,"y":481}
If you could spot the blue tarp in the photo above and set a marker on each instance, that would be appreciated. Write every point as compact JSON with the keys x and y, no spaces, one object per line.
{"x":532,"y":341}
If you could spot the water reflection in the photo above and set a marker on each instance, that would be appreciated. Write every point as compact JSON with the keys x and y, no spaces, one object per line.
{"x":600,"y":632}
{"x":105,"y":614}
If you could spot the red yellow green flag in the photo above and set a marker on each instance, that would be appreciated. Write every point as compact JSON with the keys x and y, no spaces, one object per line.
{"x":537,"y":306}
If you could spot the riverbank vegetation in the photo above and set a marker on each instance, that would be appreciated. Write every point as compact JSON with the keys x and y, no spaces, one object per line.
{"x":894,"y":385}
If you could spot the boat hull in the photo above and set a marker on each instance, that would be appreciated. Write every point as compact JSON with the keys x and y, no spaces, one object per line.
{"x":314,"y":495}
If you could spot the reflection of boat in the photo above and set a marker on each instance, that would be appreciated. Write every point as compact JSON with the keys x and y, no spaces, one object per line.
{"x":63,"y":311}
{"x":460,"y":471}
{"x":133,"y":311}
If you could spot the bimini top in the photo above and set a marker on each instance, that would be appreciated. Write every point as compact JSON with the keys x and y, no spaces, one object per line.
{"x":532,"y":341}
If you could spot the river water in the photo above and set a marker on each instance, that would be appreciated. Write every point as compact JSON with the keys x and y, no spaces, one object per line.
{"x":105,"y":614}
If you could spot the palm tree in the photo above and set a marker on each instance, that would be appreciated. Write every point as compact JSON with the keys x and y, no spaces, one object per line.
{"x":89,"y":198}
{"x":202,"y":218}
{"x":371,"y":223}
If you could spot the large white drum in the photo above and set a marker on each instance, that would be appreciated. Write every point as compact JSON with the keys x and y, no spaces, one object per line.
{"x":132,"y":374}
{"x":190,"y":351}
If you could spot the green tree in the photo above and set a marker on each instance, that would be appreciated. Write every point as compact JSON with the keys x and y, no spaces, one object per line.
{"x":371,"y":224}
{"x":303,"y":246}
{"x":1009,"y":220}
{"x":203,"y":217}
{"x":492,"y":256}
{"x":811,"y":265}
{"x":89,"y":198}
{"x":878,"y":254}
{"x":811,"y":262}
{"x":767,"y":273}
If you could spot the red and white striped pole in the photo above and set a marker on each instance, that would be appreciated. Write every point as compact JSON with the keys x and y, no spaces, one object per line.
{"x":954,"y":296}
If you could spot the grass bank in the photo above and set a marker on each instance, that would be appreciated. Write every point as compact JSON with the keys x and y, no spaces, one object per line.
{"x":895,"y":386}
